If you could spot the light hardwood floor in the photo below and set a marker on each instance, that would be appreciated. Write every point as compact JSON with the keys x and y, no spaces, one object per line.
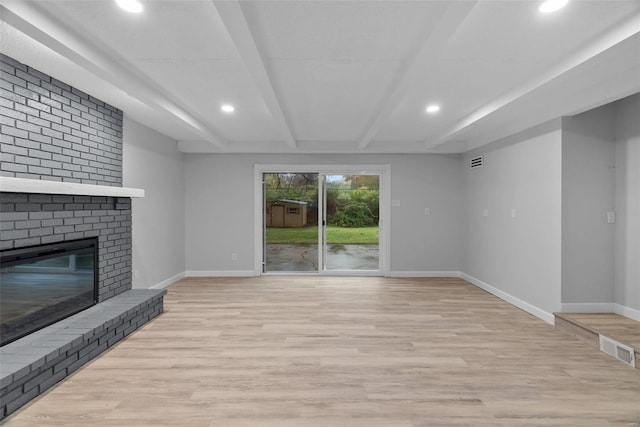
{"x":621,"y":329}
{"x":334,"y":351}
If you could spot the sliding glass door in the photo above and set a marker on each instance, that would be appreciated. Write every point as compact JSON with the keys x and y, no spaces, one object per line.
{"x":290,"y":228}
{"x":351,"y":216}
{"x":320,"y":222}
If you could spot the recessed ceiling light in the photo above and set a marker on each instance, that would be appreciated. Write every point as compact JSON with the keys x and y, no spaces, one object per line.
{"x":133,"y":6}
{"x":549,"y":6}
{"x":433,"y":108}
{"x":228,"y":108}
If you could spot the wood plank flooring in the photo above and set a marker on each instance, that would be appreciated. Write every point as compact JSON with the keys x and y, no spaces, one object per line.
{"x":334,"y":351}
{"x":619,"y":328}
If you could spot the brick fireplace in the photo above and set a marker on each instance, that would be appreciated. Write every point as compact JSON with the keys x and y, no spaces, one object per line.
{"x":61,"y":180}
{"x":34,"y":219}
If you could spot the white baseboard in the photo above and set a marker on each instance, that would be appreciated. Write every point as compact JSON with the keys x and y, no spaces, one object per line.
{"x":169,"y":281}
{"x":424,"y":274}
{"x":625,"y":311}
{"x":594,"y":307}
{"x":605,"y":307}
{"x":529,"y":308}
{"x":220,"y":273}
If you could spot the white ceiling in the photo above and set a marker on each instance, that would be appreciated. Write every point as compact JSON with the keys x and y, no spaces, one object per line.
{"x":334,"y":76}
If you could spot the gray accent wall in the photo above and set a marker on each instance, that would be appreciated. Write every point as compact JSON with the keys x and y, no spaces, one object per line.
{"x":52,"y":131}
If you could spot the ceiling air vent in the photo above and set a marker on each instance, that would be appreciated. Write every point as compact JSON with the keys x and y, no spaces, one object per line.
{"x":476,"y":162}
{"x":623,"y":353}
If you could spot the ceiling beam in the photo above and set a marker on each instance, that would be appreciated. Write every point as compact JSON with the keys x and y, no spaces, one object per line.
{"x":238,"y":29}
{"x":424,"y":52}
{"x":29,"y":19}
{"x":621,"y":32}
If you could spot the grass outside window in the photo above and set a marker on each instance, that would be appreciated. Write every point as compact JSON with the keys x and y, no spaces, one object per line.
{"x":335,"y":235}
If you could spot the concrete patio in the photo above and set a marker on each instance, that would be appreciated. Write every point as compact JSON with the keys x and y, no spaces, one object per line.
{"x":304,"y":257}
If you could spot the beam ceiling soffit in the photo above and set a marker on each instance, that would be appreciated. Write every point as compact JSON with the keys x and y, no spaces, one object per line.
{"x":625,"y":30}
{"x":233,"y":18}
{"x":426,"y":51}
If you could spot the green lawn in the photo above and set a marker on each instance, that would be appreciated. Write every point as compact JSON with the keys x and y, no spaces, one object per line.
{"x":335,"y":235}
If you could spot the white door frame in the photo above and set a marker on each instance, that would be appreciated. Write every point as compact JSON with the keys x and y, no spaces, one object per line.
{"x":385,"y":208}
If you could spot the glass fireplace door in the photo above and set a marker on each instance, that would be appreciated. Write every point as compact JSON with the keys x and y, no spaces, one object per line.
{"x":44,"y":284}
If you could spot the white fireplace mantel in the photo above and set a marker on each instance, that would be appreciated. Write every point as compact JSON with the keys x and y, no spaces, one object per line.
{"x":21,"y":185}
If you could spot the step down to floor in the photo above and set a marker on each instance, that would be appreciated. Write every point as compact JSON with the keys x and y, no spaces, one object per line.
{"x":613,"y":334}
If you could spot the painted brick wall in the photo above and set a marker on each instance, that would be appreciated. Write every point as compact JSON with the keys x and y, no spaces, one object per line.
{"x":34,"y":219}
{"x":52,"y":131}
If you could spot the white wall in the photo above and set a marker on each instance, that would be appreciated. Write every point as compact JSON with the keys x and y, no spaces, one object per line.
{"x":517,"y":258}
{"x":588,"y":183}
{"x":220,"y":209}
{"x":627,"y":229}
{"x":151,"y":161}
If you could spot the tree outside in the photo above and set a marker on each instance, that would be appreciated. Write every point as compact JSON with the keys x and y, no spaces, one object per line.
{"x":352,"y":200}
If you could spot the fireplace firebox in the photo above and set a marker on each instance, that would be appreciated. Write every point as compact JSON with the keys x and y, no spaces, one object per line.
{"x":41,"y":285}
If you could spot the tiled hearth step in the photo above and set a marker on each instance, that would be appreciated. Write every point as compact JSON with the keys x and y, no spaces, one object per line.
{"x":616,"y":335}
{"x":33,"y":364}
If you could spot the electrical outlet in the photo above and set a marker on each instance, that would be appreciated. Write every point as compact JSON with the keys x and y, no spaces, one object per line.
{"x":611,"y":217}
{"x":234,"y":257}
{"x":427,"y":211}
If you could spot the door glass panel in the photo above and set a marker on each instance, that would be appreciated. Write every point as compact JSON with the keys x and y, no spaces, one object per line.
{"x":290,"y":222}
{"x":352,"y":211}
